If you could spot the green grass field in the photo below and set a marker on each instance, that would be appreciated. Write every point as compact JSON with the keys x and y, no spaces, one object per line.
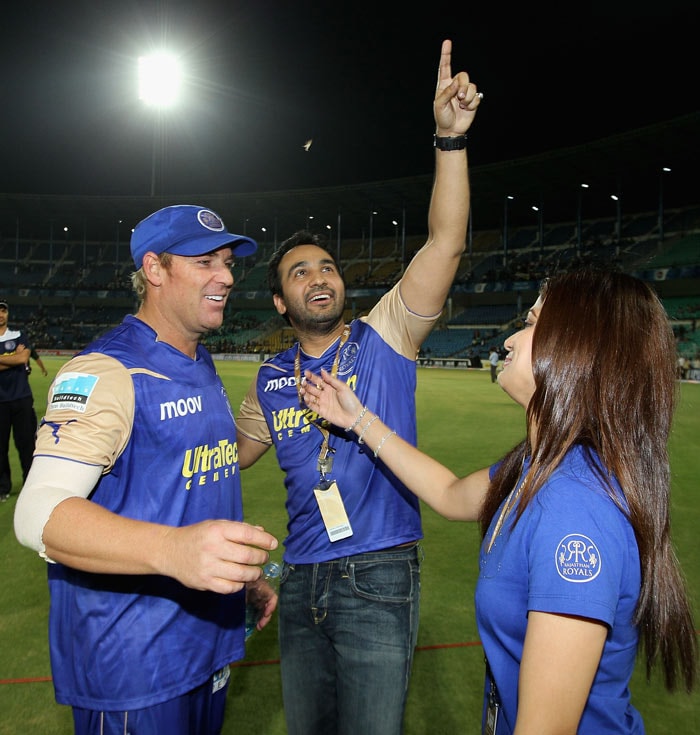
{"x":465,"y":422}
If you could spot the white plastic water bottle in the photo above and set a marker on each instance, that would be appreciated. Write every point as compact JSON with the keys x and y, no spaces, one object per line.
{"x":271,"y":574}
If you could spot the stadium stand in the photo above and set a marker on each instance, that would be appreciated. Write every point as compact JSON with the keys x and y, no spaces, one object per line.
{"x":68,"y":285}
{"x":66,"y":293}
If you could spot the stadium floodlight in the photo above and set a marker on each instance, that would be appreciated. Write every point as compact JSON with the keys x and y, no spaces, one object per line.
{"x":160,"y":77}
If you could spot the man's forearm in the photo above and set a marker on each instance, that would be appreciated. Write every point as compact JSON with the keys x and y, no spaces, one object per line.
{"x":449,"y":204}
{"x":10,"y":359}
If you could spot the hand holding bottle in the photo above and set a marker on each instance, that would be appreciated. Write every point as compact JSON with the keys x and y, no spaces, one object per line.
{"x":261,"y":598}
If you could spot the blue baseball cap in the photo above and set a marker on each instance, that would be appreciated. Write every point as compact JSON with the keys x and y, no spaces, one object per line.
{"x":185,"y":229}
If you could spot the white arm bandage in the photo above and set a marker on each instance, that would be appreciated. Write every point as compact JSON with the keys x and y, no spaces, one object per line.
{"x":50,"y":481}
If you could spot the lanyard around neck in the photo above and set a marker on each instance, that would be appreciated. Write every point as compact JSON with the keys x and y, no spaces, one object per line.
{"x":325,"y":447}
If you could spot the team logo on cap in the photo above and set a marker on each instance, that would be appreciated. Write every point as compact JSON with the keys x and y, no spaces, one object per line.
{"x":210,"y":220}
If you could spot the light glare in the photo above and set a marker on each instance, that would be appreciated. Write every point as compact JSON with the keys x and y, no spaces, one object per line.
{"x":159,"y":79}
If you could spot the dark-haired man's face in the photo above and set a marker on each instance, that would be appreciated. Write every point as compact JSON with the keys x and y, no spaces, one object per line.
{"x":313,"y":291}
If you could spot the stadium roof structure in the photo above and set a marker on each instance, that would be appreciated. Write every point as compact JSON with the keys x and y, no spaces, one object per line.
{"x":628,"y":165}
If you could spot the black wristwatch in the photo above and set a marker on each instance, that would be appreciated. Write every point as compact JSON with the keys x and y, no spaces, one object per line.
{"x":456,"y":143}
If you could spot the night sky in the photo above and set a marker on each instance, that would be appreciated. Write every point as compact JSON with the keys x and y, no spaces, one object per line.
{"x":264,"y":76}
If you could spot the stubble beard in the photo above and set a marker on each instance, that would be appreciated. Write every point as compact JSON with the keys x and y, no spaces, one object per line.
{"x":318,"y":323}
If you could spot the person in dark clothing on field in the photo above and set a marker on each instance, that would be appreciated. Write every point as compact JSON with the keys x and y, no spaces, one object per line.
{"x":17,"y":417}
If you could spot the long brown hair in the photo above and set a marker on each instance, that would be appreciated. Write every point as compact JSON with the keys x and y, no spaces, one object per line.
{"x":604,"y":362}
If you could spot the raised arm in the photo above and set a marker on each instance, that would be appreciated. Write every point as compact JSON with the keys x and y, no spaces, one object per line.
{"x":427,"y":280}
{"x":455,"y":498}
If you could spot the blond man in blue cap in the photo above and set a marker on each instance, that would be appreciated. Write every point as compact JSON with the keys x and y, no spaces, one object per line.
{"x":134,"y":497}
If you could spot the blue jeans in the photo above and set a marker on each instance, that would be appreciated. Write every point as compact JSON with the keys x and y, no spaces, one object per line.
{"x":347,"y":632}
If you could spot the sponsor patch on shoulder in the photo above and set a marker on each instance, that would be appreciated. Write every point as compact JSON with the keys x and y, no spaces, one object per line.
{"x":72,"y":391}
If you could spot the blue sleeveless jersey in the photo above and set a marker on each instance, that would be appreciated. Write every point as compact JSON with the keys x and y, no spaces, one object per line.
{"x":127,"y":642}
{"x":381,"y":511}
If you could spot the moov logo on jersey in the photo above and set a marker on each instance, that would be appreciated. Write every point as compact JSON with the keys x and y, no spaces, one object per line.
{"x":203,"y":464}
{"x":181,"y":407}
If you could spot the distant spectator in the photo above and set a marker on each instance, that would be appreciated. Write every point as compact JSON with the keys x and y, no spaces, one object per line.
{"x":694,"y":372}
{"x":493,"y":362}
{"x":17,"y":416}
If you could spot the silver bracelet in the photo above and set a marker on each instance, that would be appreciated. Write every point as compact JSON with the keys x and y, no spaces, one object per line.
{"x":381,"y":443}
{"x":365,"y":427}
{"x":357,"y":420}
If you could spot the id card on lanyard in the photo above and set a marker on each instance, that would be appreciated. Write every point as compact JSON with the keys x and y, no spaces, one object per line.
{"x":330,"y":503}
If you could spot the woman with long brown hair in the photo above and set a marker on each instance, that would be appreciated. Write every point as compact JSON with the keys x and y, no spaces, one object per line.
{"x":577,"y":568}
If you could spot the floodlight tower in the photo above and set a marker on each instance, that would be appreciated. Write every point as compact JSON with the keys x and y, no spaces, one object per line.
{"x":506,"y":199}
{"x":540,"y":227}
{"x":159,"y":85}
{"x":664,"y":170}
{"x":578,"y":217}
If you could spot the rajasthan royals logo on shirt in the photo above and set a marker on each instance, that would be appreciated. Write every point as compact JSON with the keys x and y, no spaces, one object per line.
{"x":577,"y":558}
{"x":348,"y":355}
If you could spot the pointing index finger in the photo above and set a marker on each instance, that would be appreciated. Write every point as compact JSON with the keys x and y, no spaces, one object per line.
{"x":445,"y":68}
